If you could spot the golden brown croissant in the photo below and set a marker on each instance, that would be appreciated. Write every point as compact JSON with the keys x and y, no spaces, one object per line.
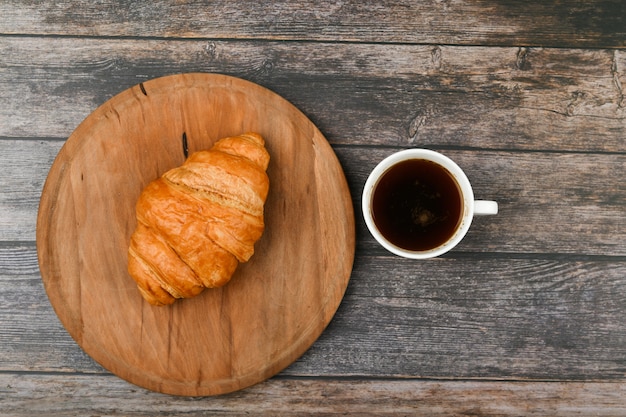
{"x":198,"y":221}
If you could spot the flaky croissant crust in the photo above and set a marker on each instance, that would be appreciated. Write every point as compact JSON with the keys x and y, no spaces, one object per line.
{"x":198,"y":221}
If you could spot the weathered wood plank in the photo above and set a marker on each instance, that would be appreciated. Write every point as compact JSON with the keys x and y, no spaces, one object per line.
{"x":487,"y":22}
{"x":352,"y":88}
{"x":402,"y":95}
{"x":549,"y":202}
{"x":74,"y":395}
{"x":29,"y":327}
{"x":24,"y":166}
{"x":473,"y":317}
{"x":467,"y":317}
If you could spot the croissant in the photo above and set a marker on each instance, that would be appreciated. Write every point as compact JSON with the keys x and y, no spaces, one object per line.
{"x":197,"y":222}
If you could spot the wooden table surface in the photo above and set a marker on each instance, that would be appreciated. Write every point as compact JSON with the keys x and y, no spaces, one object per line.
{"x":527,"y":316}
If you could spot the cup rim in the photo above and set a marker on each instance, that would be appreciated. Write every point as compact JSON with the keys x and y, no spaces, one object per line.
{"x":459,"y":176}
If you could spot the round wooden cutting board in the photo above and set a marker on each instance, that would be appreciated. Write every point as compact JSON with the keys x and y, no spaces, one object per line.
{"x":275,"y":306}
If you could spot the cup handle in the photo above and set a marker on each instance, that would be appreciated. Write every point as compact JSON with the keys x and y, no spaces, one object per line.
{"x":485,"y":207}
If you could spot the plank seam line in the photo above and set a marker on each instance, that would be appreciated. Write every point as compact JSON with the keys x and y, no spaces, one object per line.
{"x":582,"y":45}
{"x":560,"y":257}
{"x":372,"y":378}
{"x":391,"y":148}
{"x":478,"y":149}
{"x":566,"y":257}
{"x":362,"y":378}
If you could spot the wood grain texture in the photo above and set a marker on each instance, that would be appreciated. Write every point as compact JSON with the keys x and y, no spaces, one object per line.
{"x":400,"y":95}
{"x":468,"y":316}
{"x":488,"y":22}
{"x":548,"y":202}
{"x":527,"y":96}
{"x":489,"y":318}
{"x":275,"y":305}
{"x":555,"y":203}
{"x":74,"y":395}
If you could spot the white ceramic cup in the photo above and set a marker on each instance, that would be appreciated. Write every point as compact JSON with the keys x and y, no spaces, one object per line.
{"x":471,"y":207}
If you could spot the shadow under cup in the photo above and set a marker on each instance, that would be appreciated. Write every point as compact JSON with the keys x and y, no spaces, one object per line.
{"x":419,"y":204}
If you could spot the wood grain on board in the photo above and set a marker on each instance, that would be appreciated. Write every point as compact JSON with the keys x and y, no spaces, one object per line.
{"x":276,"y":304}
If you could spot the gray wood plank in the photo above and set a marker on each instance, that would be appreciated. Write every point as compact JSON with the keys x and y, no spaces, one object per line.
{"x":77,"y":395}
{"x":472,"y":317}
{"x":462,"y":317}
{"x":401,"y":95}
{"x":23,"y":170}
{"x":558,"y":203}
{"x":488,"y":22}
{"x":553,"y":203}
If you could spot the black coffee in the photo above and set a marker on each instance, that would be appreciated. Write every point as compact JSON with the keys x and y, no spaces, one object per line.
{"x":417,"y":205}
